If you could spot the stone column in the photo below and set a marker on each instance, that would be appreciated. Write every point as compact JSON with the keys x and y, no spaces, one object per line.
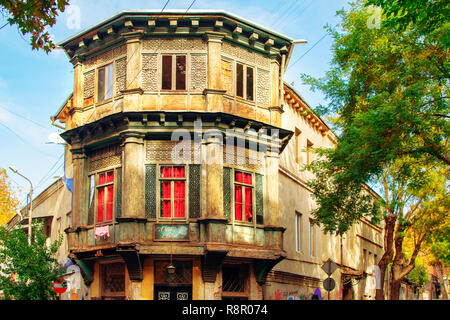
{"x":133,"y":179}
{"x":213,"y":160}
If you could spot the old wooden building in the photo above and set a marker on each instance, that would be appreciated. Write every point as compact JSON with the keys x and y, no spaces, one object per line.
{"x":185,"y":147}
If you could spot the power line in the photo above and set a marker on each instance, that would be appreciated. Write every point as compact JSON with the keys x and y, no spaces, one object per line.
{"x":23,"y":117}
{"x":24,"y":141}
{"x":315,"y":44}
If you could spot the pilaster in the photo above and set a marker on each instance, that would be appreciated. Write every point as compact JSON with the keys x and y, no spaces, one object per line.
{"x":133,"y":203}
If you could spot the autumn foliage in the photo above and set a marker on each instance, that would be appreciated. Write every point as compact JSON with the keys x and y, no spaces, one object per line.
{"x":8,"y":200}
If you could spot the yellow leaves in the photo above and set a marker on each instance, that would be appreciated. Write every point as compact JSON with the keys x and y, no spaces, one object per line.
{"x":9,"y":203}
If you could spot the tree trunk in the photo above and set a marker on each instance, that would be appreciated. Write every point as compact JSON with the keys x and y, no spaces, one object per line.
{"x":401,"y":266}
{"x":388,"y":253}
{"x":395,"y":290}
{"x":440,"y":276}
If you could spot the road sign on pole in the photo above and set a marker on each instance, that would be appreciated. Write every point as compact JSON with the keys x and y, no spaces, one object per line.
{"x":329,"y":267}
{"x":329,"y":284}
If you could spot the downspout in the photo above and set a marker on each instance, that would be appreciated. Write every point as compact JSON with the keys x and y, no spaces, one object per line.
{"x":54,"y":124}
{"x":282,"y":69}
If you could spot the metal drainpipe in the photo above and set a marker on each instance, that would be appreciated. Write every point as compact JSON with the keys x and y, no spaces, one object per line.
{"x":283,"y":63}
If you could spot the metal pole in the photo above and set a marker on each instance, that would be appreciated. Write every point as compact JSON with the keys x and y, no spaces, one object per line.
{"x":30,"y":215}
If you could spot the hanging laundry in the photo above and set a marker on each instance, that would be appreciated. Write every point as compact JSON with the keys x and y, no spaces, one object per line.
{"x":101,"y":232}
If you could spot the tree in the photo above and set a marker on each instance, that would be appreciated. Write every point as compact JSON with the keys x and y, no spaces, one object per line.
{"x":427,"y":213}
{"x":27,"y":272}
{"x":419,"y":276}
{"x":32,"y":17}
{"x":8,"y":201}
{"x":388,"y":91}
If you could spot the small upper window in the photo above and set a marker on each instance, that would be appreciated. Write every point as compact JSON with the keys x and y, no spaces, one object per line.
{"x":173,"y":72}
{"x":105,"y":82}
{"x":245,"y":81}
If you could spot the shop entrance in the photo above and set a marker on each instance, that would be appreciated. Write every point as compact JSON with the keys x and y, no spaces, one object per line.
{"x":176,"y":285}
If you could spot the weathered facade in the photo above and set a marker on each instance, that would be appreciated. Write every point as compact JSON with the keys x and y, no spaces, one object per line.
{"x":185,"y":147}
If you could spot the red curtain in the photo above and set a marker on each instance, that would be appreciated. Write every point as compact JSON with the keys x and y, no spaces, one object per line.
{"x":166,"y":196}
{"x":101,"y":204}
{"x":109,"y":203}
{"x":238,"y":203}
{"x":178,"y":172}
{"x":179,"y":191}
{"x":248,"y":204}
{"x":101,"y":179}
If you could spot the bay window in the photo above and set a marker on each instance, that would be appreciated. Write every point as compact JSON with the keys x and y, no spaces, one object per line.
{"x":172,"y":191}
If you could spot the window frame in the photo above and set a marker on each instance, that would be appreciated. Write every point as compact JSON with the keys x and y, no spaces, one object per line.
{"x":244,"y":185}
{"x":298,"y":231}
{"x":309,"y":152}
{"x":94,"y":204}
{"x":97,"y":78}
{"x":244,"y":81}
{"x":173,"y":74}
{"x":172,"y":193}
{"x":312,"y":238}
{"x":245,"y":270}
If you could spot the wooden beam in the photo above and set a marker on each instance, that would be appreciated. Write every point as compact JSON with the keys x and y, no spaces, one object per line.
{"x":269,"y":43}
{"x":195,"y":23}
{"x":129,"y":24}
{"x":253,"y":37}
{"x":173,"y":24}
{"x":151,"y":23}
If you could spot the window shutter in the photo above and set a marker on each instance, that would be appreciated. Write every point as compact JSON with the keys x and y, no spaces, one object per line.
{"x":259,"y":198}
{"x":150,"y":191}
{"x":227,"y":192}
{"x":118,"y":186}
{"x":194,"y":190}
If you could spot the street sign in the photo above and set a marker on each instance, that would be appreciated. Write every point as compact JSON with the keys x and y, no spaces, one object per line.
{"x":60,"y":286}
{"x":329,"y":267}
{"x":329,"y":284}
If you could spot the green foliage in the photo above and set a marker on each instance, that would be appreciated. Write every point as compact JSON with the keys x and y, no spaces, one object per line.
{"x":27,"y":272}
{"x":419,"y":276}
{"x":388,"y":90}
{"x":32,"y":17}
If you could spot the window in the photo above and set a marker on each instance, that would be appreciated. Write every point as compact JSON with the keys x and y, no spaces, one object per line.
{"x":298,"y":146}
{"x":309,"y":145}
{"x":105,"y":196}
{"x":113,"y":284}
{"x":312,"y":237}
{"x":105,"y":82}
{"x":298,"y":231}
{"x":244,"y":81}
{"x":173,"y":72}
{"x":243,"y":196}
{"x":173,"y":192}
{"x":234,"y":282}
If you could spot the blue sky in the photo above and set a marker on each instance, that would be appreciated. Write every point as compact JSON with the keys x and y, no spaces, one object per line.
{"x":33,"y":85}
